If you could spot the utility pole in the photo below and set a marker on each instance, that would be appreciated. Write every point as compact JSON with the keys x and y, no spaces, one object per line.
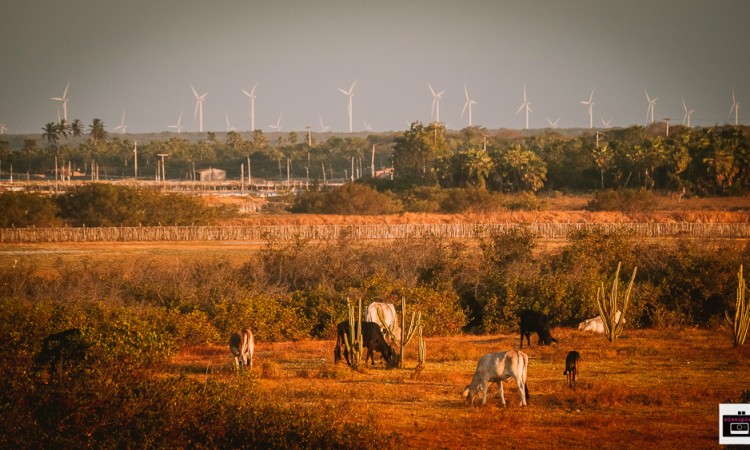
{"x":135,"y":159}
{"x":372,"y":162}
{"x":163,"y":171}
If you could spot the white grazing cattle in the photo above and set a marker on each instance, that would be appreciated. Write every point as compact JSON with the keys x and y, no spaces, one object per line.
{"x":388,"y":311}
{"x":496,"y":368}
{"x":596,"y":324}
{"x":242,"y":346}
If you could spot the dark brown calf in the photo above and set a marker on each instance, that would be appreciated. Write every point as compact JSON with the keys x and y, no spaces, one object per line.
{"x":572,"y":363}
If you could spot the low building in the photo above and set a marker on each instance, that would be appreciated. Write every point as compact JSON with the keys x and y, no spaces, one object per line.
{"x":212,"y":174}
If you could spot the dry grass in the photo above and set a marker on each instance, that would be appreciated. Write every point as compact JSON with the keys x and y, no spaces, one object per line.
{"x":653,"y":387}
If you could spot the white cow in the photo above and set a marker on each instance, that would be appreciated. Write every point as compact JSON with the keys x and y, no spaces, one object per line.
{"x":597,"y":324}
{"x":496,"y":368}
{"x":388,"y":311}
{"x":242,"y":346}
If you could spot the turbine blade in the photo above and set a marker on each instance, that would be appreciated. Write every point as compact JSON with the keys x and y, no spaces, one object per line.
{"x":194,"y":91}
{"x":431,"y":90}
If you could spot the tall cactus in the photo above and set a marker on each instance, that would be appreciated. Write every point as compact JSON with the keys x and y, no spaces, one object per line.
{"x":608,"y":308}
{"x":741,"y":323}
{"x":354,"y":348}
{"x":406,"y":333}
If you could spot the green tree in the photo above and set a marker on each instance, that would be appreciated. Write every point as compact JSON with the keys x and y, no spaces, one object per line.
{"x":415,"y":152}
{"x":77,"y":128}
{"x":96,"y":130}
{"x":50,"y":133}
{"x":520,"y":169}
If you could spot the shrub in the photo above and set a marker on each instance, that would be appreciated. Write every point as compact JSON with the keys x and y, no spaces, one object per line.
{"x":628,"y":200}
{"x":21,"y":209}
{"x":351,"y":198}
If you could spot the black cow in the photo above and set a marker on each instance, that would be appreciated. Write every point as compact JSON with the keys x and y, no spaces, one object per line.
{"x":535,"y":322}
{"x":373,"y":340}
{"x":68,"y":345}
{"x":572,"y":362}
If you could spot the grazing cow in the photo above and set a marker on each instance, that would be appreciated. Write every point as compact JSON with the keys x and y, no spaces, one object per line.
{"x":372,"y":340}
{"x":68,"y":345}
{"x":242,"y":346}
{"x":496,"y":368}
{"x":597,"y":324}
{"x":572,"y":363}
{"x":535,"y":322}
{"x":388,"y":311}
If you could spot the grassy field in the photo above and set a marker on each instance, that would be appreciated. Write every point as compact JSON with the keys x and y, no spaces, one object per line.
{"x":650,"y":388}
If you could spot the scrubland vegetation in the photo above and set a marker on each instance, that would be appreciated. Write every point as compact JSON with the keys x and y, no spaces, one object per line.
{"x":143,"y":314}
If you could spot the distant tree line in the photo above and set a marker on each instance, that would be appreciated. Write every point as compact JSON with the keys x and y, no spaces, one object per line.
{"x":698,"y":161}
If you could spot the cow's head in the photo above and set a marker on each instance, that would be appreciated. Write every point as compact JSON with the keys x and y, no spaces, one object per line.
{"x":473,"y":392}
{"x":390,"y":356}
{"x":548,"y":339}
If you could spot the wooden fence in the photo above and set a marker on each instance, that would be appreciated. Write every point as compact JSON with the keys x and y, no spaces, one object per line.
{"x":332,"y":232}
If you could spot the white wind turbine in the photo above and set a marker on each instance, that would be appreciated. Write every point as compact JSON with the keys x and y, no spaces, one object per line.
{"x":64,"y":101}
{"x":688,"y":113}
{"x":527,"y":105}
{"x":467,"y":105}
{"x":736,"y":108}
{"x":3,"y":128}
{"x":350,"y":94}
{"x":553,"y":123}
{"x":605,"y":123}
{"x":251,"y":97}
{"x":122,"y":127}
{"x":590,"y":104}
{"x":229,"y":126}
{"x":198,"y":107}
{"x":367,"y":125}
{"x":276,"y":127}
{"x":323,"y":127}
{"x":178,"y":125}
{"x":435,"y":103}
{"x":650,"y":110}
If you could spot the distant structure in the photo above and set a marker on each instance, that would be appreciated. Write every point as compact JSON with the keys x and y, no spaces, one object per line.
{"x":212,"y":174}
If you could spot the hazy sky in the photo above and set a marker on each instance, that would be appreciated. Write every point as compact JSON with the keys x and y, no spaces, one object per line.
{"x":141,"y":56}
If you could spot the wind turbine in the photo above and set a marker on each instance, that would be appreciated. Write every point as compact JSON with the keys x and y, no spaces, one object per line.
{"x":435,"y":103}
{"x":3,"y":128}
{"x":605,"y":123}
{"x":122,"y":127}
{"x":229,"y":126}
{"x":64,"y":100}
{"x":178,"y":125}
{"x":198,"y":108}
{"x":590,"y":104}
{"x":323,"y":127}
{"x":251,"y":96}
{"x":736,"y":108}
{"x":688,"y":113}
{"x":367,"y":125}
{"x":350,"y":94}
{"x":650,"y":110}
{"x":277,"y":127}
{"x":553,"y":123}
{"x":467,"y":105}
{"x":527,"y":105}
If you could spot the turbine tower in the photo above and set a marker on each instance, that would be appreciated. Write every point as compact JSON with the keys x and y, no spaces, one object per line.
{"x":350,"y":94}
{"x":650,"y":110}
{"x":122,"y":127}
{"x":178,"y":125}
{"x":323,"y":127}
{"x":3,"y":128}
{"x":467,"y":105}
{"x":276,"y":127}
{"x":688,"y":113}
{"x":527,"y":105}
{"x":64,"y":101}
{"x":435,"y":103}
{"x":251,"y":97}
{"x":736,"y":108}
{"x":198,"y":107}
{"x":590,"y":104}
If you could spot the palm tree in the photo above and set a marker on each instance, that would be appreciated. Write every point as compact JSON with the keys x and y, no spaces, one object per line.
{"x":96,"y":130}
{"x":63,"y":128}
{"x":479,"y":165}
{"x":50,"y":133}
{"x":77,"y":128}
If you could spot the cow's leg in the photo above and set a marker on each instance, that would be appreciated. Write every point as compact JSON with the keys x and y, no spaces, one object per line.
{"x":522,"y":391}
{"x":500,"y":392}
{"x":484,"y":392}
{"x":521,"y":337}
